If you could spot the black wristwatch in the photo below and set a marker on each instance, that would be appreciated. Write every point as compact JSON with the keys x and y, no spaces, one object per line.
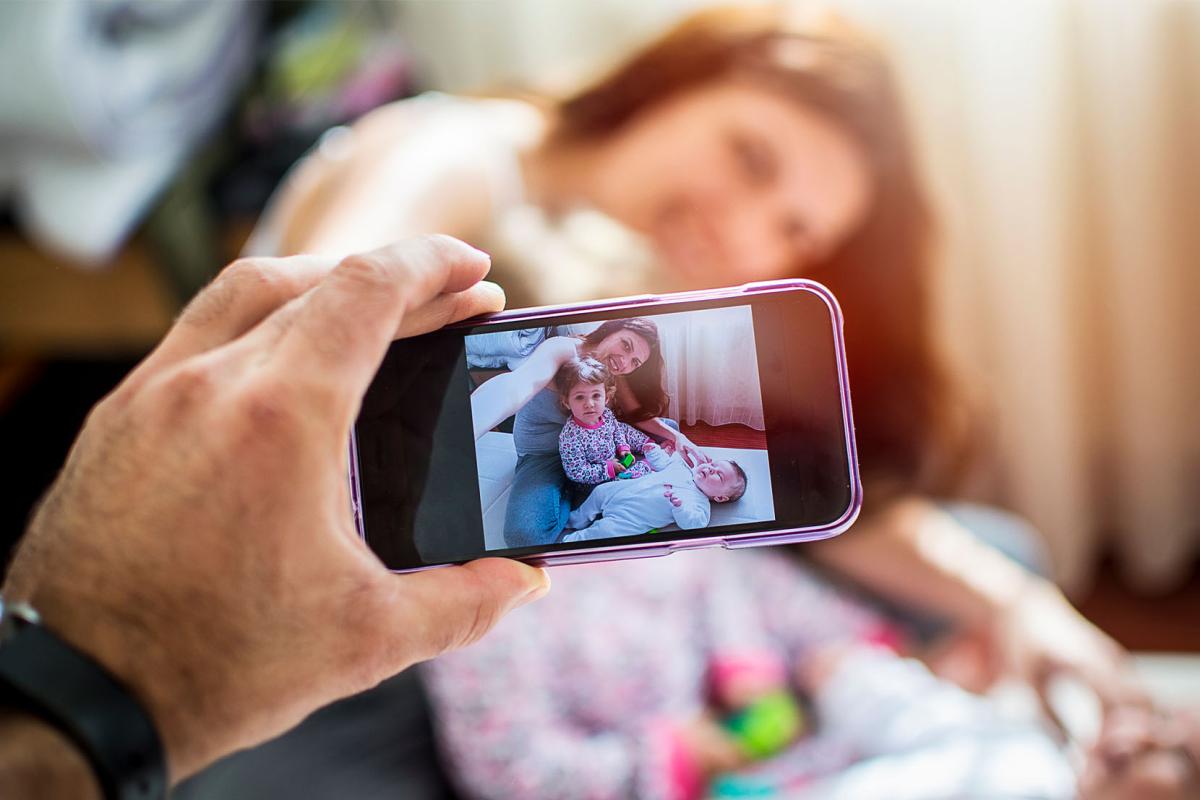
{"x":44,"y":676}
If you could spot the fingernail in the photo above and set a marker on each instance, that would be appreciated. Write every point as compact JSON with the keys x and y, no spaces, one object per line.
{"x":537,"y":591}
{"x":494,"y":288}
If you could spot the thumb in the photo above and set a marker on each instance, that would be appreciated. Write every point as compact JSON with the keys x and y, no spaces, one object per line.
{"x":448,"y":608}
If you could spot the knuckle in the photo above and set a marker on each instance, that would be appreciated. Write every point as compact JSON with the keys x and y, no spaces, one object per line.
{"x":247,"y":270}
{"x":190,"y":382}
{"x":367,"y":630}
{"x":425,"y":256}
{"x":175,"y":395}
{"x":441,"y":245}
{"x":369,"y":271}
{"x":375,"y":279}
{"x":483,"y":615}
{"x":258,"y":276}
{"x":265,"y":413}
{"x":245,"y":277}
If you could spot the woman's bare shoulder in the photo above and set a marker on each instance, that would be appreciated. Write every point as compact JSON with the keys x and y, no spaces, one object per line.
{"x":424,"y":164}
{"x":512,"y":121}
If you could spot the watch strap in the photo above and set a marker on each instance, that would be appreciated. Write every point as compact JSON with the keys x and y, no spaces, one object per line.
{"x":48,"y":678}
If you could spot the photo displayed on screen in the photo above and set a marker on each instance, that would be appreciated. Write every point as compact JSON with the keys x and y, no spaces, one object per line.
{"x":591,"y":455}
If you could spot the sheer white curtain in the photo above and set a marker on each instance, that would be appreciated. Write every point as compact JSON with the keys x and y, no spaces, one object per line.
{"x":712,"y":367}
{"x":1061,"y":139}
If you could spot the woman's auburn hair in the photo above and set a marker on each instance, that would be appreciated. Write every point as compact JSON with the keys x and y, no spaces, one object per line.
{"x":912,"y":421}
{"x":647,"y":382}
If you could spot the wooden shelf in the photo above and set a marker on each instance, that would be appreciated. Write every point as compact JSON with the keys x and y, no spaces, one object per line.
{"x":49,"y":307}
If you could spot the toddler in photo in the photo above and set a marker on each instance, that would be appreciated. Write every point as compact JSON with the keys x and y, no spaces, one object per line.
{"x":675,"y":493}
{"x":594,"y":445}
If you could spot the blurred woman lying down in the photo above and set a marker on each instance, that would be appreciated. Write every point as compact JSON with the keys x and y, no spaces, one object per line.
{"x":741,"y":145}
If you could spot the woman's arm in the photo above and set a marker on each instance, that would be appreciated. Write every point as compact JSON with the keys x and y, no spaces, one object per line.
{"x":496,"y":400}
{"x":917,"y":555}
{"x":660,"y":430}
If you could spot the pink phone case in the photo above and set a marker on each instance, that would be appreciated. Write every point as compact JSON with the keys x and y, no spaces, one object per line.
{"x":730,"y":541}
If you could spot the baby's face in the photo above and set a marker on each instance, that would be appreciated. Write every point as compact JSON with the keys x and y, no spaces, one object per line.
{"x":587,"y":402}
{"x":717,"y":479}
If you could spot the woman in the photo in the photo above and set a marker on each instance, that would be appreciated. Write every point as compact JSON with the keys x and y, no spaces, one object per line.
{"x":737,"y":147}
{"x":541,"y":492}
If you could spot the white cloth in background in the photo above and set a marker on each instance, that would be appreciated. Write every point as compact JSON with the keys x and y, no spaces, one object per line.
{"x":504,"y":349}
{"x":920,"y":737}
{"x":102,"y":102}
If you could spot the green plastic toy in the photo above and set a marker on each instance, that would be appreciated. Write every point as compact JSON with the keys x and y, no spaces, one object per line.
{"x":769,"y":725}
{"x":626,"y":459}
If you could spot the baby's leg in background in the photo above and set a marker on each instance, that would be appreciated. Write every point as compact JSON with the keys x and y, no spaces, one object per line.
{"x":590,"y":508}
{"x":604,"y":528}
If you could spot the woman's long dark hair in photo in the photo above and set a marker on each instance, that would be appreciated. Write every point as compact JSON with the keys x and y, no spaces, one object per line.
{"x":647,"y":382}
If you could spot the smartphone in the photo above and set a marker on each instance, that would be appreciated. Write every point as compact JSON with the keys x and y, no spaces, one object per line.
{"x":459,"y":450}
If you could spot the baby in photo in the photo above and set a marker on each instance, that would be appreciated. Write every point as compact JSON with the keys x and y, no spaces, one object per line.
{"x":594,"y":445}
{"x":674,"y":493}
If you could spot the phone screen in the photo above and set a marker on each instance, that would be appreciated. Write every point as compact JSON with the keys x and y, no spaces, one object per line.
{"x":475,"y":441}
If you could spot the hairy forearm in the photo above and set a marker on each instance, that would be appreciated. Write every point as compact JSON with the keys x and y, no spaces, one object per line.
{"x":38,"y":761}
{"x":915,"y":554}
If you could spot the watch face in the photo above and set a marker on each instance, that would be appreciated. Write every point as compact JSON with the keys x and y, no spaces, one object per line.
{"x":15,"y":614}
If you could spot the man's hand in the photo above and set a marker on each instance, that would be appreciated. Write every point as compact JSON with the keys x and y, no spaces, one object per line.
{"x":199,"y":541}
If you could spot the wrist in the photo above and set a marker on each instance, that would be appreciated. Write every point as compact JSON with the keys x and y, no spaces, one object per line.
{"x":125,"y":646}
{"x":982,"y":585}
{"x":1007,"y":599}
{"x":36,"y":760}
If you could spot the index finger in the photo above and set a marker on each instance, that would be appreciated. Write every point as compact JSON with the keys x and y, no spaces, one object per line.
{"x":339,"y":335}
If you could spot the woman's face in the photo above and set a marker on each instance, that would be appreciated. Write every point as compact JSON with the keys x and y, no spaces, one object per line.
{"x":622,"y":352}
{"x":733,"y":181}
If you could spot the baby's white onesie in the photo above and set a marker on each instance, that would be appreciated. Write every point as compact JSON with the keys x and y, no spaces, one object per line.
{"x":635,"y":506}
